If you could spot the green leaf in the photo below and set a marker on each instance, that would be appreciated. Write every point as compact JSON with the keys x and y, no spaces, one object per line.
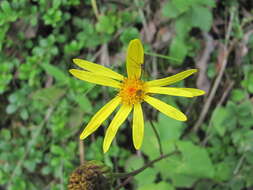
{"x":170,"y":10}
{"x":5,"y":134}
{"x":222,"y":119}
{"x":168,"y":168}
{"x":247,"y":141}
{"x":201,"y":18}
{"x":183,"y":25}
{"x":210,"y":3}
{"x":55,"y":149}
{"x":5,"y":5}
{"x":159,"y":186}
{"x":178,"y":50}
{"x":185,"y":169}
{"x":134,"y":162}
{"x":150,"y":145}
{"x":128,"y":34}
{"x":55,"y":72}
{"x":244,"y":113}
{"x":249,"y":81}
{"x":146,"y":177}
{"x":249,"y":157}
{"x":182,"y":5}
{"x":75,"y":119}
{"x":84,"y":103}
{"x":223,"y":171}
{"x":46,"y":170}
{"x":195,"y":156}
{"x":180,"y":180}
{"x":24,"y":114}
{"x":203,"y":184}
{"x":238,"y":95}
{"x":106,"y":24}
{"x":30,"y":165}
{"x":48,"y":96}
{"x":11,"y":108}
{"x":169,"y":129}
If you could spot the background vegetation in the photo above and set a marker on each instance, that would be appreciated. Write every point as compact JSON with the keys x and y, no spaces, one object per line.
{"x":43,"y":109}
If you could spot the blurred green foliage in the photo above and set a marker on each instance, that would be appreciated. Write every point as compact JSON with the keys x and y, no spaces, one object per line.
{"x":44,"y":109}
{"x":187,"y":15}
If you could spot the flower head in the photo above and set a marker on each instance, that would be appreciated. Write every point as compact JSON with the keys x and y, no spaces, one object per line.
{"x":132,"y":91}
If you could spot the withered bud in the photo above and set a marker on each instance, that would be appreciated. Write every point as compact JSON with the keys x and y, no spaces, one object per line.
{"x":92,"y":175}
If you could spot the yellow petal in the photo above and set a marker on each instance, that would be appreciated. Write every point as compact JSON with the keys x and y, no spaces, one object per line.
{"x":98,"y":69}
{"x":119,"y":118}
{"x":165,"y":108}
{"x":170,"y":91}
{"x":135,"y":58}
{"x":93,"y":78}
{"x":138,"y":126}
{"x":194,"y":91}
{"x":100,"y":117}
{"x":172,"y":79}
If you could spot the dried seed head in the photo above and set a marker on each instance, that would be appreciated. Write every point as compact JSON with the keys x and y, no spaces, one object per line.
{"x":92,"y":175}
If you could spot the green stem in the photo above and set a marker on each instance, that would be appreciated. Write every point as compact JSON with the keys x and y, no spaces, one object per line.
{"x":157,"y":137}
{"x":163,"y":56}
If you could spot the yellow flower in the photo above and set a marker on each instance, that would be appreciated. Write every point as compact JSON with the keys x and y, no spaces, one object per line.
{"x":132,"y":91}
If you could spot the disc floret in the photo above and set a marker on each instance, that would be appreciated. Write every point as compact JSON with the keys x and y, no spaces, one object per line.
{"x":132,"y":91}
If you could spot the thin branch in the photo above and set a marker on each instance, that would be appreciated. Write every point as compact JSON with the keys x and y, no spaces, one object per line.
{"x":225,"y":94}
{"x":95,"y":8}
{"x":157,"y":137}
{"x":226,"y":52}
{"x":30,"y":144}
{"x":239,"y":164}
{"x":126,"y":181}
{"x":135,"y":172}
{"x":142,"y":16}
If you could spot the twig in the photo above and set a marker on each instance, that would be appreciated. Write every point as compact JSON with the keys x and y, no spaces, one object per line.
{"x":239,"y":164}
{"x":154,"y":67}
{"x":126,"y":181}
{"x":142,"y":16}
{"x":81,"y":152}
{"x":225,"y":94}
{"x":30,"y":144}
{"x":62,"y":176}
{"x":218,"y":79}
{"x":157,"y":137}
{"x":135,"y":172}
{"x":95,"y":8}
{"x":202,"y":80}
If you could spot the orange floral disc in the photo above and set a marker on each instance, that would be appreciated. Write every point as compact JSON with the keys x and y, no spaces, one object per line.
{"x":132,"y":91}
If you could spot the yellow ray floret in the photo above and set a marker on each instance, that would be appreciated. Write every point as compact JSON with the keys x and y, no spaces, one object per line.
{"x":194,"y":91}
{"x":98,"y":69}
{"x":93,"y":78}
{"x":119,"y":118}
{"x":165,"y":108}
{"x":100,"y":117}
{"x":138,"y":126}
{"x":172,"y":79}
{"x":170,"y":91}
{"x":135,"y":58}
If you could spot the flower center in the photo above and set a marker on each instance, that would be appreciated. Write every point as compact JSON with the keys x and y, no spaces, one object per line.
{"x":132,"y":91}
